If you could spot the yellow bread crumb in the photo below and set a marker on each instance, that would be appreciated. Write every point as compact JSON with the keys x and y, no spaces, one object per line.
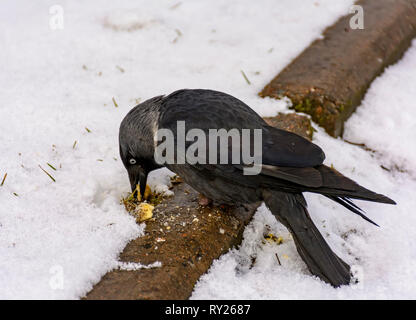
{"x":144,"y":212}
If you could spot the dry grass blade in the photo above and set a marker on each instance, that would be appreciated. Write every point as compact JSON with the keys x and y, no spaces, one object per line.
{"x":4,"y":179}
{"x":179,"y":34}
{"x":115,"y":103}
{"x":51,"y":166}
{"x":245,"y":77}
{"x":175,"y":6}
{"x":49,"y":175}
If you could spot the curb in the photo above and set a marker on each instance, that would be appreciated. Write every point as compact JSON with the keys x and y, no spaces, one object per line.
{"x":329,"y":79}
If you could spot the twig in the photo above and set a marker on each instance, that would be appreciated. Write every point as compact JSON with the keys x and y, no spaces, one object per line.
{"x":49,"y":175}
{"x":88,"y":130}
{"x":245,"y":77}
{"x":2,"y":182}
{"x":361,"y":145}
{"x":75,"y":143}
{"x":278,"y":260}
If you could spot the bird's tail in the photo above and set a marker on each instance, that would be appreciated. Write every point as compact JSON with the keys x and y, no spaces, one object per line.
{"x":290,"y":210}
{"x":341,"y":189}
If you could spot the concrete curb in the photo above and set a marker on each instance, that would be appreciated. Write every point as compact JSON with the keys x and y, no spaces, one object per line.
{"x":329,"y":78}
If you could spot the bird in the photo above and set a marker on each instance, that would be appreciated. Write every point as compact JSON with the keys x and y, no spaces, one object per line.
{"x":290,"y":165}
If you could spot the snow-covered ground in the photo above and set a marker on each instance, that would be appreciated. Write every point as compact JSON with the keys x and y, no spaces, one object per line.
{"x":58,"y":238}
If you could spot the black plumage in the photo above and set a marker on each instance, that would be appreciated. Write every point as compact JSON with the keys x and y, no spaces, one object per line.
{"x":291,"y":165}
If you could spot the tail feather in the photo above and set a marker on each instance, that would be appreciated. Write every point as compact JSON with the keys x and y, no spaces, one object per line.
{"x":352,"y":207}
{"x":361,"y":194}
{"x":290,"y":210}
{"x":341,"y":189}
{"x":336,"y":184}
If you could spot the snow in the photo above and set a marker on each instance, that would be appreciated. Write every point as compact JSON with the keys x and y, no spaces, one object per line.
{"x":133,"y":266}
{"x":57,"y":239}
{"x":386,"y":116}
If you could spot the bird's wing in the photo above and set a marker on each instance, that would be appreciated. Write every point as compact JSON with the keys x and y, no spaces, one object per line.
{"x":207,"y":109}
{"x":307,"y":177}
{"x":287,"y":149}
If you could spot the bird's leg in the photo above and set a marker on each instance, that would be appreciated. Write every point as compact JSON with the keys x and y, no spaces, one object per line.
{"x":147,"y":193}
{"x":203,"y":201}
{"x":136,"y":195}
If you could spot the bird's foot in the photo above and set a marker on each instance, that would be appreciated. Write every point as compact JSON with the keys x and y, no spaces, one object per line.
{"x":136,"y":196}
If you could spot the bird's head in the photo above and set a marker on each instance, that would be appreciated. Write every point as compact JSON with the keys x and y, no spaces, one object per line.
{"x":137,"y":144}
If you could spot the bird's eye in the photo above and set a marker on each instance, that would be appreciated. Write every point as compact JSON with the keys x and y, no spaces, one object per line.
{"x":132,"y":161}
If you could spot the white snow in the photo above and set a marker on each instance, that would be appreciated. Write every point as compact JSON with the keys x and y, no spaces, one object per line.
{"x":133,"y":266}
{"x":59,"y":238}
{"x":385,"y":122}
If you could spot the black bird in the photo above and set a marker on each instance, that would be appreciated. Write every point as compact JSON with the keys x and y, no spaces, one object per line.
{"x":291,"y":165}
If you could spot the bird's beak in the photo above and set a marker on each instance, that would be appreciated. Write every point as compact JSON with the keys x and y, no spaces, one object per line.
{"x":136,"y":177}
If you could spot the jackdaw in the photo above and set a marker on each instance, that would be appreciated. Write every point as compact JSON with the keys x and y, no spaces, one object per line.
{"x":290,"y":165}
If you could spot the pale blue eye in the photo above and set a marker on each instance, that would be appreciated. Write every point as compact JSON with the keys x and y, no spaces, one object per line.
{"x":132,"y":161}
